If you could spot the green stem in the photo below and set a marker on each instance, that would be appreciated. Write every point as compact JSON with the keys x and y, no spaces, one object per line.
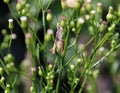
{"x":59,"y":77}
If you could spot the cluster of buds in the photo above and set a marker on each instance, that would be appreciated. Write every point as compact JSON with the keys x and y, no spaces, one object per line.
{"x":22,"y":8}
{"x":9,"y":59}
{"x":7,"y":90}
{"x":49,"y":78}
{"x":110,"y":15}
{"x":72,"y":71}
{"x":114,"y":40}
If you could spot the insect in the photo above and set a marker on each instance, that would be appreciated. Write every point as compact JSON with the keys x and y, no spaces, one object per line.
{"x":59,"y":42}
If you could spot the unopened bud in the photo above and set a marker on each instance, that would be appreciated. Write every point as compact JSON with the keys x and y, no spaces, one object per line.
{"x":88,"y":5}
{"x":111,"y":28}
{"x":103,"y":26}
{"x":92,"y":12}
{"x":49,"y":15}
{"x":63,"y":4}
{"x":4,"y":32}
{"x":99,"y":7}
{"x":10,"y":24}
{"x":1,"y":70}
{"x":62,"y":23}
{"x":73,"y":4}
{"x":23,"y":20}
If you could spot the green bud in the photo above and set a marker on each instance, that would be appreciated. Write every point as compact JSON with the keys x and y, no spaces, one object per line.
{"x":32,"y":90}
{"x":113,"y":43}
{"x":23,"y":12}
{"x":109,"y":17}
{"x":103,"y":26}
{"x":47,"y":37}
{"x":83,"y":9}
{"x":49,"y":15}
{"x":6,"y":1}
{"x":72,"y":24}
{"x":2,"y":79}
{"x":72,"y":67}
{"x":63,"y":4}
{"x":92,"y":14}
{"x":50,"y":67}
{"x":73,"y":29}
{"x":99,"y":8}
{"x":40,"y":72}
{"x":1,"y":70}
{"x":62,"y":23}
{"x":8,"y":58}
{"x":88,"y":5}
{"x":4,"y":32}
{"x":91,"y":30}
{"x":19,"y":6}
{"x":95,"y":73}
{"x":111,"y":28}
{"x":4,"y":45}
{"x":10,"y":24}
{"x":23,"y":22}
{"x":28,"y":38}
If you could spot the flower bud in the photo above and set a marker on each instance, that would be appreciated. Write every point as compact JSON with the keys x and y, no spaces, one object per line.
{"x":10,"y":24}
{"x":87,"y":17}
{"x":50,"y":67}
{"x":2,"y":79}
{"x":88,"y":5}
{"x":111,"y":28}
{"x":92,"y":14}
{"x":40,"y":71}
{"x":20,"y":5}
{"x":47,"y":37}
{"x":6,"y":1}
{"x":32,"y":89}
{"x":72,"y":67}
{"x":1,"y":70}
{"x":4,"y":32}
{"x":83,"y":9}
{"x":8,"y":58}
{"x":99,"y":8}
{"x":28,"y":38}
{"x":49,"y":15}
{"x":95,"y":73}
{"x":23,"y":22}
{"x":113,"y":43}
{"x":91,"y":30}
{"x":63,"y":4}
{"x":73,"y":4}
{"x":103,"y":26}
{"x":73,"y":29}
{"x":80,"y":21}
{"x":72,"y":24}
{"x":62,"y":23}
